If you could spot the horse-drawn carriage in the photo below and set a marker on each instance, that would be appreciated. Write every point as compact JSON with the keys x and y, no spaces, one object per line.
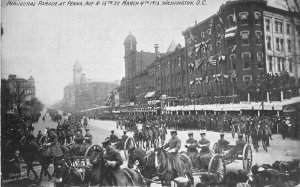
{"x":222,"y":157}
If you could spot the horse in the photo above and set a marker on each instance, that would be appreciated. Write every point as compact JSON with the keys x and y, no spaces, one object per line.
{"x":157,"y":163}
{"x":98,"y":172}
{"x":138,"y":136}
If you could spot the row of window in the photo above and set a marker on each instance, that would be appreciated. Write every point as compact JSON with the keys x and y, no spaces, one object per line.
{"x":279,"y":44}
{"x":165,"y":65}
{"x":278,"y":26}
{"x":244,"y":18}
{"x":279,"y":64}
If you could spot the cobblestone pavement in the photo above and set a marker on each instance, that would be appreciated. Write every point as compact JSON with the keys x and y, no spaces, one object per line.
{"x":280,"y":149}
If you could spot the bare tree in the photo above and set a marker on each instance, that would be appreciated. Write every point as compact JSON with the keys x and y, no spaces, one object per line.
{"x":19,"y":96}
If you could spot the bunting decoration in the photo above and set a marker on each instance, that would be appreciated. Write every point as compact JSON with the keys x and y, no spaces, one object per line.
{"x":192,"y":82}
{"x":212,"y":60}
{"x":221,"y":58}
{"x":233,"y":73}
{"x":233,"y":48}
{"x":198,"y":63}
{"x":230,"y":33}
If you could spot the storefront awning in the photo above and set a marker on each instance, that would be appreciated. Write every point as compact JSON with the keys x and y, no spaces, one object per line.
{"x":149,"y":94}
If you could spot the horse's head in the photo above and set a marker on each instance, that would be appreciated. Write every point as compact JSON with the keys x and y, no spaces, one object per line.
{"x":160,"y":158}
{"x":135,"y":154}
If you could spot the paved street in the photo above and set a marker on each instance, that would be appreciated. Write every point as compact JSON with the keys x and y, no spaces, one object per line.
{"x":280,"y":149}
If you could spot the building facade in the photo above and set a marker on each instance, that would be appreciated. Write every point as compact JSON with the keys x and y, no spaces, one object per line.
{"x":282,"y":42}
{"x":82,"y":94}
{"x":242,"y":41}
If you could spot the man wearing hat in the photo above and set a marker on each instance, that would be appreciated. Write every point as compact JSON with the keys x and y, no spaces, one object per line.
{"x":113,"y":162}
{"x":124,"y":137}
{"x":192,"y":151}
{"x":173,"y":146}
{"x":205,"y":153}
{"x":78,"y":149}
{"x":113,"y":138}
{"x":222,"y":143}
{"x":240,"y":143}
{"x":88,"y":134}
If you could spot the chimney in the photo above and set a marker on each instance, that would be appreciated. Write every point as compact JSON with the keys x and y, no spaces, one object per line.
{"x":156,"y":49}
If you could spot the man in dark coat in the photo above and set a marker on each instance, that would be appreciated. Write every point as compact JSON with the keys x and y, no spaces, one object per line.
{"x":192,"y":151}
{"x":222,"y":143}
{"x":113,"y":162}
{"x":173,"y":146}
{"x":114,"y":138}
{"x":205,"y":153}
{"x":78,"y":149}
{"x":53,"y":144}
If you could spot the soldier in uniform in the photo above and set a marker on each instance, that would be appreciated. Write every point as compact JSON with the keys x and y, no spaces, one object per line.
{"x":88,"y":134}
{"x":205,"y":153}
{"x":56,"y":152}
{"x":77,"y":149}
{"x":124,"y":137}
{"x":192,"y":151}
{"x":240,"y":143}
{"x":113,"y":138}
{"x":173,"y":146}
{"x":39,"y":136}
{"x":113,"y":162}
{"x":222,"y":143}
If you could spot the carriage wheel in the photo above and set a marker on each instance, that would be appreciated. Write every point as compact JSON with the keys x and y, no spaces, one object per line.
{"x":89,"y":153}
{"x":129,"y":143}
{"x":233,"y":132}
{"x":247,"y":158}
{"x":217,"y":165}
{"x":214,"y":148}
{"x":44,"y":139}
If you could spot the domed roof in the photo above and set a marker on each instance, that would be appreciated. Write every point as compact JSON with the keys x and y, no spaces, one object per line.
{"x":130,"y":38}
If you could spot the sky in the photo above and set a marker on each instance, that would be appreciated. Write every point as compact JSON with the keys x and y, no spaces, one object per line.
{"x":45,"y":42}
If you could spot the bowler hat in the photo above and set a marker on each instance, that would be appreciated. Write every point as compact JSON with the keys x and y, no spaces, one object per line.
{"x":173,"y":132}
{"x":202,"y":133}
{"x":222,"y":134}
{"x":190,"y":133}
{"x":112,"y":131}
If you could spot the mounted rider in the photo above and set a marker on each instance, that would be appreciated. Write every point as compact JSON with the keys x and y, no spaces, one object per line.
{"x":222,"y":143}
{"x":77,"y":148}
{"x":113,"y":162}
{"x":114,"y":138}
{"x":173,"y":146}
{"x":53,"y":144}
{"x":192,"y":151}
{"x":205,"y":153}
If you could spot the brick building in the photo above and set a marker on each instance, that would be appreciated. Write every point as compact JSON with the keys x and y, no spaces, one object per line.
{"x":226,"y":50}
{"x":135,"y":65}
{"x":243,"y":40}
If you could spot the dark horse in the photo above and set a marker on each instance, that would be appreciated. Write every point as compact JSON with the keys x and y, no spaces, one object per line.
{"x":30,"y":151}
{"x":97,"y":172}
{"x":158,"y":163}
